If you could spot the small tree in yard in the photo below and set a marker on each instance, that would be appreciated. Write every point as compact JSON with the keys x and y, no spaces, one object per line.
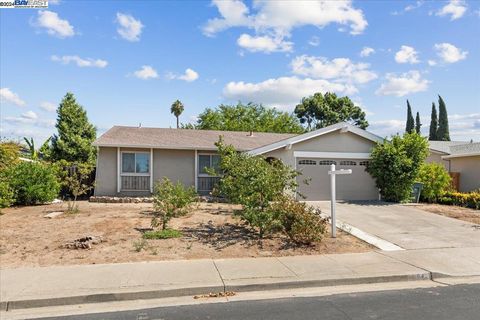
{"x":395,"y":164}
{"x":171,"y":200}
{"x":436,"y":181}
{"x":76,"y":179}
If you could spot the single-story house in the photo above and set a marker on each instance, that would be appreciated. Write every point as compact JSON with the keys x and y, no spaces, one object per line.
{"x":131,"y":159}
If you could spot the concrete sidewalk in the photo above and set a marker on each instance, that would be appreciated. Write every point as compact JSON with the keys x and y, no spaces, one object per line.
{"x":68,"y":285}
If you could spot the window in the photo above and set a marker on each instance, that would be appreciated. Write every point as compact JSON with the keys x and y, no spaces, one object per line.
{"x":363,"y":163}
{"x":136,"y":162}
{"x":308,"y":162}
{"x":208,"y":161}
{"x":326,"y":162}
{"x":348,"y":163}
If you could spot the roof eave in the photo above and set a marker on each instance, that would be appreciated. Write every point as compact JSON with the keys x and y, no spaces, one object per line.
{"x":461,"y":155}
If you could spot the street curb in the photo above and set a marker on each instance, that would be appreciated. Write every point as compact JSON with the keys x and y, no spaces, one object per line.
{"x":156,"y":294}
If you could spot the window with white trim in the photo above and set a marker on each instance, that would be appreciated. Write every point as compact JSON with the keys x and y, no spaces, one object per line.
{"x":326,"y":162}
{"x":307,"y":162}
{"x":363,"y":163}
{"x":208,"y":161}
{"x":348,"y":163}
{"x":135,"y":163}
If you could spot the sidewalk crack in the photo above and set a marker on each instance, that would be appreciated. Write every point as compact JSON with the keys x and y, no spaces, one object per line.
{"x":283,"y":264}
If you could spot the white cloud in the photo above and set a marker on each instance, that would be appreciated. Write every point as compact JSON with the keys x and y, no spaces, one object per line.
{"x":7,"y":95}
{"x":129,"y":27}
{"x":284,"y":92}
{"x":432,"y":63}
{"x":146,"y":72}
{"x":340,"y":69}
{"x":386,"y":128}
{"x":414,"y":6}
{"x":80,"y":62}
{"x":401,"y":85}
{"x":30,"y":118}
{"x":449,"y":53}
{"x":366,"y":51}
{"x":189,"y":75}
{"x":278,"y":18}
{"x":455,"y":8}
{"x":264,"y":44}
{"x":314,"y":41}
{"x":29,"y":115}
{"x":407,"y":54}
{"x":54,"y":25}
{"x":48,"y":106}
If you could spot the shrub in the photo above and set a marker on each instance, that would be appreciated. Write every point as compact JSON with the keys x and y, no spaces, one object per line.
{"x":9,"y":154}
{"x":140,"y":245}
{"x":300,"y":222}
{"x":75,"y":180}
{"x":162,"y":234}
{"x":6,"y":194}
{"x":435,"y":179}
{"x":171,"y":200}
{"x":33,"y":183}
{"x":469,"y":200}
{"x":394,"y":165}
{"x":253,"y":182}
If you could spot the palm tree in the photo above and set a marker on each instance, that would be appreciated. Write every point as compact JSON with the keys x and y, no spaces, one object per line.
{"x":31,"y":148}
{"x":176,"y":110}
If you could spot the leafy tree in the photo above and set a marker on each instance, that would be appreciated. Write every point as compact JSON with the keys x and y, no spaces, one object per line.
{"x":443,"y":132}
{"x":75,"y":178}
{"x":410,"y":127}
{"x":75,"y":136}
{"x":31,"y":148}
{"x":9,"y":154}
{"x":320,"y":111}
{"x":395,"y":164}
{"x":33,"y":182}
{"x":418,"y":124}
{"x":171,"y":200}
{"x":6,"y":193}
{"x":254,"y":183}
{"x":177,"y":109}
{"x":435,"y":179}
{"x":250,"y":117}
{"x":433,"y":123}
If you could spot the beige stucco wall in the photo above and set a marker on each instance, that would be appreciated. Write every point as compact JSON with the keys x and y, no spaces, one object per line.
{"x":469,"y":168}
{"x":437,"y":157}
{"x":177,"y":165}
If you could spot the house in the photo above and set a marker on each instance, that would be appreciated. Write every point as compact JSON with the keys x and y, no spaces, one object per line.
{"x":131,"y":159}
{"x":465,"y":159}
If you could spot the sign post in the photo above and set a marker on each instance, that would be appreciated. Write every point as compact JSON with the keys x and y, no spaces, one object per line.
{"x":333,"y":200}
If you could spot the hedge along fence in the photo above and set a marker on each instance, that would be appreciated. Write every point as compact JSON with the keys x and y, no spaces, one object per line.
{"x":469,"y":200}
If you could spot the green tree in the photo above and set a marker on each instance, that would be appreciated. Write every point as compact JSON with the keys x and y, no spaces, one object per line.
{"x":435,"y":179}
{"x":395,"y":164}
{"x":31,"y":148}
{"x":320,"y":111}
{"x":45,"y":150}
{"x":418,"y":124}
{"x":9,"y":154}
{"x":443,"y":132}
{"x":76,"y":134}
{"x":249,"y":117}
{"x":75,"y":178}
{"x":177,"y":109}
{"x":433,"y":124}
{"x":410,"y":126}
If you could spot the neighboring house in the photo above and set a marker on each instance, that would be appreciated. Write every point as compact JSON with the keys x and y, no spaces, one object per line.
{"x":465,"y":159}
{"x":131,"y":159}
{"x":438,"y":149}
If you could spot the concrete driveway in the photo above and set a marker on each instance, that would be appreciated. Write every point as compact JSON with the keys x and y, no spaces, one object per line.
{"x":405,"y":225}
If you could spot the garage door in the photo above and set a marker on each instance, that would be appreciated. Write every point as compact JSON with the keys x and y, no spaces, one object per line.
{"x":356,"y":186}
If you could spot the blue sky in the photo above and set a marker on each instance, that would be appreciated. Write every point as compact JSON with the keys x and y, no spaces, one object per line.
{"x":127,"y":61}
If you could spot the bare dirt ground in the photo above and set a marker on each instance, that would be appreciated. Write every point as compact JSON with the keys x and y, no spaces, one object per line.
{"x":465,"y":214}
{"x":209,"y":231}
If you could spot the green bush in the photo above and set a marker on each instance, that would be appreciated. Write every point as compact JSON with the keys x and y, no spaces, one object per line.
{"x":394,"y":165}
{"x":33,"y":183}
{"x":300,"y":222}
{"x":171,"y":200}
{"x":162,"y":234}
{"x":253,"y":182}
{"x":6,"y":194}
{"x":435,"y":179}
{"x":469,"y":200}
{"x":9,"y":154}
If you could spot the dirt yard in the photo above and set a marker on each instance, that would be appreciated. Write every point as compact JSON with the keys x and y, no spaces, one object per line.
{"x":465,"y":214}
{"x":210,"y":231}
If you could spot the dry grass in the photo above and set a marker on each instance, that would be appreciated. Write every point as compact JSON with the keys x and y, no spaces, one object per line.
{"x":209,"y":231}
{"x":465,"y":214}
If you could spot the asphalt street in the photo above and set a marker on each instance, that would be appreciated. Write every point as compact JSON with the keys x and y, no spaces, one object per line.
{"x":460,"y":302}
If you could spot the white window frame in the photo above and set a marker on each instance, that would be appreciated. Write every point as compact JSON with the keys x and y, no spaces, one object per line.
{"x":199,"y":174}
{"x":144,"y":174}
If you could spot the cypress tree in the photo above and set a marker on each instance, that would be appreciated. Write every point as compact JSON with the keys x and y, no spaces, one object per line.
{"x":75,"y":133}
{"x":418,"y":125}
{"x":443,"y":132}
{"x":410,"y":127}
{"x":433,"y":123}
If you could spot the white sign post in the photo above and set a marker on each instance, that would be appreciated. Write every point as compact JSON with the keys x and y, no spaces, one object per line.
{"x":332,"y":174}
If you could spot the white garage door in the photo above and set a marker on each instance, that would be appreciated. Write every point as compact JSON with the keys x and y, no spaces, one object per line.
{"x":356,"y":186}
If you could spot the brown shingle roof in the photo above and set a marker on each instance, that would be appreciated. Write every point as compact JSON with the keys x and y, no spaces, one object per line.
{"x":166,"y":138}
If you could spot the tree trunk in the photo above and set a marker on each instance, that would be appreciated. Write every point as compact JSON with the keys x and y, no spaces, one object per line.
{"x":177,"y":123}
